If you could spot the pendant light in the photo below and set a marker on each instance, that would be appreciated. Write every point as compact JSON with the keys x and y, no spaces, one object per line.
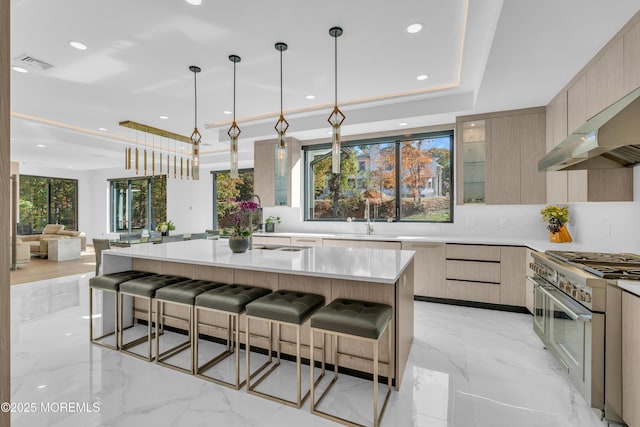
{"x":282,"y":125}
{"x":195,"y":136}
{"x":234,"y":130}
{"x":336,"y":118}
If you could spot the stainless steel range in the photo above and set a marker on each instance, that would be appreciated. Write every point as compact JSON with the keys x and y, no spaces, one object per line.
{"x":577,"y":304}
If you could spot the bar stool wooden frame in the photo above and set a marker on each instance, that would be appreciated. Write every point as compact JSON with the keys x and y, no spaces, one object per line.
{"x":251,"y":388}
{"x":336,"y":354}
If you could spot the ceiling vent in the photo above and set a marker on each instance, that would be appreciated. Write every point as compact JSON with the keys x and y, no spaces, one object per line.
{"x":32,"y":62}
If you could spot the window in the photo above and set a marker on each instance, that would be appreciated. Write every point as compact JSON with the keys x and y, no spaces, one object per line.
{"x":45,"y":201}
{"x":404,"y":178}
{"x":138,"y":204}
{"x":227,"y":191}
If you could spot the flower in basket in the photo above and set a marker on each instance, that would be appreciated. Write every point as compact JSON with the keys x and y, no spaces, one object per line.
{"x":165,"y":226}
{"x":556,"y":217}
{"x":242,"y":220}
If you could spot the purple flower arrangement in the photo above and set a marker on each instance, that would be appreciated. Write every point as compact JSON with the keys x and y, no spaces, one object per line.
{"x":241,"y":220}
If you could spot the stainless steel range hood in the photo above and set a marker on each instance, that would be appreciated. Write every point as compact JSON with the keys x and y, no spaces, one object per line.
{"x":610,"y":139}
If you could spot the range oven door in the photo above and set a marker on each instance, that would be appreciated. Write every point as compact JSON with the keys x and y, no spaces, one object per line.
{"x":539,"y":308}
{"x":569,"y":337}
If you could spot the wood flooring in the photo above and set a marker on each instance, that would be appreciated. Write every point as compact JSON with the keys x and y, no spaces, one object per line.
{"x":42,"y":269}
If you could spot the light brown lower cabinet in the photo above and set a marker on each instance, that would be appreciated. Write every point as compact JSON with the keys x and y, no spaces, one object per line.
{"x":271,"y":240}
{"x":486,"y":273}
{"x":430,"y":268}
{"x":631,"y":359}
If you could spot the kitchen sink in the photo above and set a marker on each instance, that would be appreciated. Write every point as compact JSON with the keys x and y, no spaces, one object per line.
{"x":280,"y":248}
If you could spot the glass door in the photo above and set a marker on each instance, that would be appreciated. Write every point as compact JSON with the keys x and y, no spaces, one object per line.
{"x":474,"y":161}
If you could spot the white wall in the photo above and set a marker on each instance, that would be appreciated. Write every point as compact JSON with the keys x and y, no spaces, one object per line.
{"x":601,"y":226}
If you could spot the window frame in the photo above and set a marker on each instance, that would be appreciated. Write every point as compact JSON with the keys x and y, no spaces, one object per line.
{"x":397,"y":140}
{"x":49,"y":198}
{"x":149,"y":220}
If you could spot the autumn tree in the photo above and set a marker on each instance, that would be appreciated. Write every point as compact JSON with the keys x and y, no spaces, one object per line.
{"x":415,"y":169}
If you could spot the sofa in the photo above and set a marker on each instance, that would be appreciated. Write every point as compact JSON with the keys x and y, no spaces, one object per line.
{"x":38,"y":242}
{"x":23,"y":252}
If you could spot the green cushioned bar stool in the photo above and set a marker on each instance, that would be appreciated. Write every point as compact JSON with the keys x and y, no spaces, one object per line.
{"x":360,"y":320}
{"x":230,"y":300}
{"x":110,"y":283}
{"x":145,"y":288}
{"x":181,"y":294}
{"x":289,"y":308}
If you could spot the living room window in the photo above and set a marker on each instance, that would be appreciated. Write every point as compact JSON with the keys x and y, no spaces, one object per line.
{"x":227,"y":192}
{"x":45,"y":200}
{"x":138,"y":203}
{"x":404,"y":178}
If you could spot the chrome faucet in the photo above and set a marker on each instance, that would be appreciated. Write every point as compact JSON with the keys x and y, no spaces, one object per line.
{"x":367,"y":216}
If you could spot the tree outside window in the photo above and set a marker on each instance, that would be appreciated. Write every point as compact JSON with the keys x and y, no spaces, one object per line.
{"x":406,"y":179}
{"x":45,"y":200}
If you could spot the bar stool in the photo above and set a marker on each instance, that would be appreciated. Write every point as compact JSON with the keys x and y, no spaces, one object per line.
{"x":181,"y":294}
{"x":360,"y":320}
{"x":230,"y":300}
{"x":143,"y":287}
{"x":290,"y":308}
{"x":110,"y":283}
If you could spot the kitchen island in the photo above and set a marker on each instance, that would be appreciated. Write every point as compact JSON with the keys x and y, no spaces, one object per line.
{"x":376,"y":275}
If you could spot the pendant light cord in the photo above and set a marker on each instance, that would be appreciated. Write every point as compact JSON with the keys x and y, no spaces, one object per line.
{"x":234,"y":92}
{"x":195,"y":97}
{"x":280,"y":83}
{"x":336,"y":69}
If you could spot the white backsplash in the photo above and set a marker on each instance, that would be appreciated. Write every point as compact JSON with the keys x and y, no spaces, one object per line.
{"x":613,"y":227}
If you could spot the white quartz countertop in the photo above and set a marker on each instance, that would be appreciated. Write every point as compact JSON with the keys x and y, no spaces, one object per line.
{"x":632,"y":286}
{"x":370,"y":265}
{"x":535,"y":244}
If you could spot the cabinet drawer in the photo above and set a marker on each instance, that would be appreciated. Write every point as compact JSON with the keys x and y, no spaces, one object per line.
{"x":306,"y":241}
{"x":473,"y":270}
{"x":275,"y":240}
{"x":473,"y":291}
{"x":339,"y":243}
{"x":473,"y":252}
{"x":380,"y":245}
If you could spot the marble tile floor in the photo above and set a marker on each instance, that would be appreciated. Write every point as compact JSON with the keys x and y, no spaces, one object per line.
{"x":468,"y":368}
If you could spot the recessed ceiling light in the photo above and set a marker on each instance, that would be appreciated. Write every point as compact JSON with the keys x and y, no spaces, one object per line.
{"x":403,"y":124}
{"x":227,"y":112}
{"x":69,"y":167}
{"x":164,"y":117}
{"x":423,"y":77}
{"x":194,"y":2}
{"x":77,"y":45}
{"x":102,"y":129}
{"x":416,"y":27}
{"x":42,"y":386}
{"x":40,"y":146}
{"x":20,"y":69}
{"x":310,"y":97}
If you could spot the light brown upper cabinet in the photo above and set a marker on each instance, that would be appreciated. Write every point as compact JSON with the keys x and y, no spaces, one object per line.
{"x":274,"y":190}
{"x":631,"y":58}
{"x":513,"y":143}
{"x":612,"y":73}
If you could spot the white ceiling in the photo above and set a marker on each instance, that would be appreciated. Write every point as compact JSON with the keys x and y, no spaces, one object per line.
{"x":480,"y":56}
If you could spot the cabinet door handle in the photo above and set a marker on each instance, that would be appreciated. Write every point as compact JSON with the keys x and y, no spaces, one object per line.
{"x":425,"y":245}
{"x":307,"y":240}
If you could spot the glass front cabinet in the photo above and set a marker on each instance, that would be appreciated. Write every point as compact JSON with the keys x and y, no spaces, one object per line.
{"x":471,"y":149}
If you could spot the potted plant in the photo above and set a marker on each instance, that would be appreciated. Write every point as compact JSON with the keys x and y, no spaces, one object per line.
{"x":242,"y":226}
{"x":557,"y":217}
{"x":164,"y":227}
{"x":270,"y":223}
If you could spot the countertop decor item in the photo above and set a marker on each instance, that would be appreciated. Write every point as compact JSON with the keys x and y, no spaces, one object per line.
{"x":557,"y":217}
{"x":164,"y":227}
{"x":243,"y":227}
{"x":270,"y":224}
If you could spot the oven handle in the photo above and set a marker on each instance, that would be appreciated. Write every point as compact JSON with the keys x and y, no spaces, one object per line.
{"x":582,"y":317}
